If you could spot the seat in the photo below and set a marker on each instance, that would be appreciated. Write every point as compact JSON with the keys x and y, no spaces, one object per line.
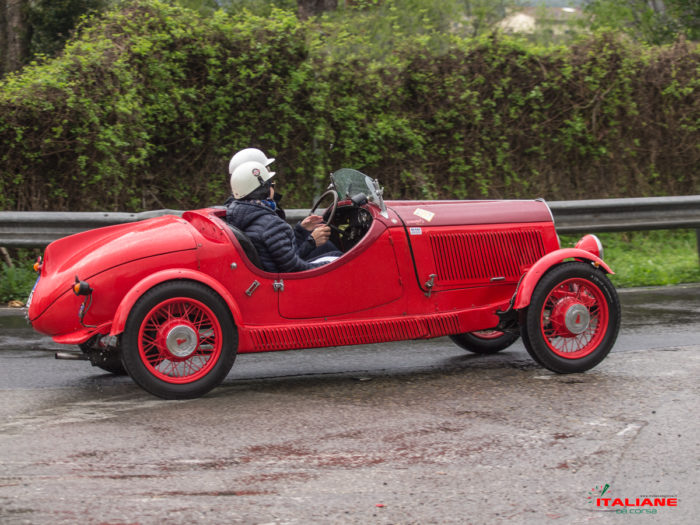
{"x":247,"y":245}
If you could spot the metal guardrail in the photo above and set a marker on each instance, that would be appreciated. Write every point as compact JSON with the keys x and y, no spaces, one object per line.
{"x":38,"y":229}
{"x":619,"y":215}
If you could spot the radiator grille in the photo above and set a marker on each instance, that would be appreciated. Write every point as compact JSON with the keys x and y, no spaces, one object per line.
{"x":480,"y":256}
{"x":353,"y":333}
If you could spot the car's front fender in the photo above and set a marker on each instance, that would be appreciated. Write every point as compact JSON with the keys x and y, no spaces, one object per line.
{"x":542,"y":266}
{"x":155,"y":279}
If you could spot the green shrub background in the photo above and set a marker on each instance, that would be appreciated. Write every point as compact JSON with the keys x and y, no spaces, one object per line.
{"x":146,"y":105}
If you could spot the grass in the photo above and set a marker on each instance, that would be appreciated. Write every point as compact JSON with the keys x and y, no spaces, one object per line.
{"x":653,"y":258}
{"x":16,"y":282}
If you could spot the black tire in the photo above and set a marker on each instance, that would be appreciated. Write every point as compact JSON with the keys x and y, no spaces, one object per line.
{"x":109,"y":360}
{"x":180,"y":341}
{"x":573,"y":318}
{"x":526,"y":342}
{"x":485,"y":341}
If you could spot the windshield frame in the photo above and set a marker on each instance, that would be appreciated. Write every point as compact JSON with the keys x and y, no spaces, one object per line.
{"x":349,"y":182}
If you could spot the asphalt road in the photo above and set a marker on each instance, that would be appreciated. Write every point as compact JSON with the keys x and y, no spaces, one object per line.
{"x":417,"y":432}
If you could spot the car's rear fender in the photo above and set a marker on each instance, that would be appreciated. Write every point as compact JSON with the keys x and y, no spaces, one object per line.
{"x":155,"y":279}
{"x":528,"y":282}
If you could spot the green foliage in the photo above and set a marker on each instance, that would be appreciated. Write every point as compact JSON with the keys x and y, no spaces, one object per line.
{"x":15,"y":282}
{"x":146,"y":105}
{"x":142,"y":109}
{"x":647,"y":21}
{"x":52,"y":22}
{"x":203,"y":7}
{"x":380,"y":29}
{"x":257,"y":7}
{"x":495,"y":118}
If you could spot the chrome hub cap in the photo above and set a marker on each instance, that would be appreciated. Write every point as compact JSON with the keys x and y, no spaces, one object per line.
{"x":182,"y":341}
{"x":577,"y":318}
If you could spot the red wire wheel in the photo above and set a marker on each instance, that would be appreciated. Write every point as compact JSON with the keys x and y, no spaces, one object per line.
{"x":179,"y":341}
{"x":573,"y":318}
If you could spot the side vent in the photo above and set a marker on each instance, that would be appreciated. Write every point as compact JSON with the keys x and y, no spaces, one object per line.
{"x":481,"y":256}
{"x":354,"y":333}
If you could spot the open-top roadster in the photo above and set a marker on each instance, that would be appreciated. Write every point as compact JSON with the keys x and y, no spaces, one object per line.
{"x":172,"y":300}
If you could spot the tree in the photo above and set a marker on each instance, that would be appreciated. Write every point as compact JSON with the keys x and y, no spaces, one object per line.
{"x":15,"y":35}
{"x":31,"y":27}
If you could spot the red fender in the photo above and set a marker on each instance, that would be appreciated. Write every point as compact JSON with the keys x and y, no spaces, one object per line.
{"x":533,"y":275}
{"x":149,"y":282}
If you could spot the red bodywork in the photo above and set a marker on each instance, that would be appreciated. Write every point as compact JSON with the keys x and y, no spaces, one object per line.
{"x":426,"y":269}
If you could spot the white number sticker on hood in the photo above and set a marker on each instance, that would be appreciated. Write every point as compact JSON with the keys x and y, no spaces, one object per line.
{"x":424,"y":214}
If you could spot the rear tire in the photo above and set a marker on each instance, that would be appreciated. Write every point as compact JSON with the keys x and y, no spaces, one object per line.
{"x":485,"y":341}
{"x":573,"y":318}
{"x":180,"y":341}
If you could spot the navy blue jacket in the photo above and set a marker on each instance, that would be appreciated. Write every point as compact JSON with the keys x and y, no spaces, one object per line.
{"x":281,"y":248}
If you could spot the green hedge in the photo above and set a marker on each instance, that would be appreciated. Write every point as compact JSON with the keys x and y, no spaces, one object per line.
{"x":598,"y":120}
{"x":146,"y":105}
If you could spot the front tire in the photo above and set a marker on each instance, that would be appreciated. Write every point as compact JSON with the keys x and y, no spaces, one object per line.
{"x":485,"y":341}
{"x":573,"y":318}
{"x":179,"y":341}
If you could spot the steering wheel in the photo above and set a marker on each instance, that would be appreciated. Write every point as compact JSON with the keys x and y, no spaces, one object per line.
{"x":330,"y":211}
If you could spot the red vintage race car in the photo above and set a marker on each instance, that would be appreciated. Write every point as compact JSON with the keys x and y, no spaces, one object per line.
{"x":172,"y":300}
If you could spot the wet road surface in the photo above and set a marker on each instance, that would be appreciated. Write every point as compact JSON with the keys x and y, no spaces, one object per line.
{"x":417,"y":432}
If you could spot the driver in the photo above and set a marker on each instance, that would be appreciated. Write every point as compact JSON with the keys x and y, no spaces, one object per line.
{"x":253,"y":210}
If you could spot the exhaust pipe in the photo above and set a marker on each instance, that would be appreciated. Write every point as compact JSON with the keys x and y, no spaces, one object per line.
{"x":71,"y":356}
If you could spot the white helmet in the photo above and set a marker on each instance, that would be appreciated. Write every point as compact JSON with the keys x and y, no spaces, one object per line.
{"x":246,"y":155}
{"x":248,"y":177}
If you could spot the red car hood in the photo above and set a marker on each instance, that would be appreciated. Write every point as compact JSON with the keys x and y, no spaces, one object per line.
{"x":89,"y":253}
{"x":455,"y":213}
